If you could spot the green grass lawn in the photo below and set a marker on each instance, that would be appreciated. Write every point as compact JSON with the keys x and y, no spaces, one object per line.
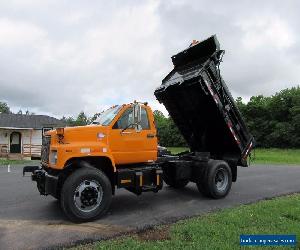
{"x":176,"y":150}
{"x":277,"y":156}
{"x":14,"y":162}
{"x":265,"y":156}
{"x":218,"y":230}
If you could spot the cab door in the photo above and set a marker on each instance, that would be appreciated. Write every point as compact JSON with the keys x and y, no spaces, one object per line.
{"x":131,"y":143}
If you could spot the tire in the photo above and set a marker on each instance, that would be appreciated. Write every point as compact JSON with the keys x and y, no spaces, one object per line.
{"x":216,"y":182}
{"x":86,"y":195}
{"x":168,"y":177}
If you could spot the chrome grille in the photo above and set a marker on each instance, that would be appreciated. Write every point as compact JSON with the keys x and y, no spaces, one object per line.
{"x":45,"y":148}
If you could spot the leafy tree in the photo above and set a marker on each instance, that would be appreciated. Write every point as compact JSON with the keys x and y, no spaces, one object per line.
{"x":94,"y":117}
{"x":167,"y":132}
{"x":274,"y":121}
{"x":4,"y":108}
{"x":81,"y":120}
{"x":69,"y":121}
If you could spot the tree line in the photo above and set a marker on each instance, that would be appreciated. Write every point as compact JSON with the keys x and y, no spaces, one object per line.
{"x":274,"y":120}
{"x":80,"y":120}
{"x":5,"y":109}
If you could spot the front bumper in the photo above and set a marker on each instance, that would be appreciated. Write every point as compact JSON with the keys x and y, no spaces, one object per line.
{"x":46,"y":183}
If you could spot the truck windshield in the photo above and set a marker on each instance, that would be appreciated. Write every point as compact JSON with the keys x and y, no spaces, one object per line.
{"x":107,"y":116}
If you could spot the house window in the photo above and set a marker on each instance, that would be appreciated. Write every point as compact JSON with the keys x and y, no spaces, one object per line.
{"x":46,"y":129}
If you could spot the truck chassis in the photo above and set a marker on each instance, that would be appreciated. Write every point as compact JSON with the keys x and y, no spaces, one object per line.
{"x":212,"y":177}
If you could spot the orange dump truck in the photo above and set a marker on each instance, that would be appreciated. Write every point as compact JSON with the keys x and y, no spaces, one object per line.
{"x":82,"y":166}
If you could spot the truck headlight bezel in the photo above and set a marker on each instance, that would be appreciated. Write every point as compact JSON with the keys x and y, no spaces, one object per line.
{"x":53,"y":157}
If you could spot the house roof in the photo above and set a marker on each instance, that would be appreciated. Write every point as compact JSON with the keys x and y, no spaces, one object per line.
{"x":28,"y":121}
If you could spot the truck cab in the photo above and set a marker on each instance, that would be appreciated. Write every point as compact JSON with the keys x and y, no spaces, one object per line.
{"x":123,"y":134}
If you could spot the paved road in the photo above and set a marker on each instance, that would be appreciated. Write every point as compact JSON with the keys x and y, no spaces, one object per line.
{"x":30,"y":221}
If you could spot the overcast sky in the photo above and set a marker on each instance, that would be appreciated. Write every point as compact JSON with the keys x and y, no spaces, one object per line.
{"x":61,"y":57}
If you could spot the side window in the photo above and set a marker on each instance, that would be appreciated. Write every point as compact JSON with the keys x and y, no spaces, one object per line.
{"x":125,"y":120}
{"x":144,"y":119}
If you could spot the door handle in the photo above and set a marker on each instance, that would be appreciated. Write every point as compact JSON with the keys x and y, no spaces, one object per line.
{"x":125,"y":132}
{"x":150,"y":136}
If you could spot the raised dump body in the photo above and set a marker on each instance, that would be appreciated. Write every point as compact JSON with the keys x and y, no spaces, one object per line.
{"x":201,"y":105}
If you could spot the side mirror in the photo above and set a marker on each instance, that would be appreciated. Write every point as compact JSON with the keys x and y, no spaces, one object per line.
{"x":137,"y":116}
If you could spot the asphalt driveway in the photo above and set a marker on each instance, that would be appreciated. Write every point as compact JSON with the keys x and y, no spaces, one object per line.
{"x":31,"y":221}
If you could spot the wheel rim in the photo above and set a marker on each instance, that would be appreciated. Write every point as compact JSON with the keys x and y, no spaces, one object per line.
{"x":88,"y":195}
{"x":221,"y":179}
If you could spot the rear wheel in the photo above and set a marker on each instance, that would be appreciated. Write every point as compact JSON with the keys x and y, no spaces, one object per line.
{"x":86,"y":194}
{"x":216,"y":182}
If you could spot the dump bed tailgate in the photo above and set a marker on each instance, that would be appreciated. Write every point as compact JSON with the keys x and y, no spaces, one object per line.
{"x":201,"y":105}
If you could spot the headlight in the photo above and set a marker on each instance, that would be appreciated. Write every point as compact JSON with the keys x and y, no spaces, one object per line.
{"x":53,"y":157}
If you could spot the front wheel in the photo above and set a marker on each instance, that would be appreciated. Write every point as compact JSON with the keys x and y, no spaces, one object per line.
{"x":86,"y":195}
{"x":216,"y":182}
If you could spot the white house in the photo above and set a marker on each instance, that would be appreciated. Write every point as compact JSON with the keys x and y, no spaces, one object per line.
{"x":21,"y":135}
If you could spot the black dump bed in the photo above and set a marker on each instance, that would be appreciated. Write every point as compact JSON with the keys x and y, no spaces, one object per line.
{"x":201,"y":105}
